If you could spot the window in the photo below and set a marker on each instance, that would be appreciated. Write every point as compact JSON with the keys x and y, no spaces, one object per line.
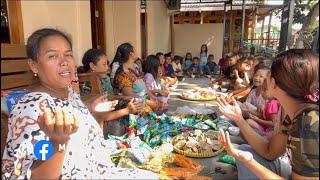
{"x":5,"y":33}
{"x":11,"y":22}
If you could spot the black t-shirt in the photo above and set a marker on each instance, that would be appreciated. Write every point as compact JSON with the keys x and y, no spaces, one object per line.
{"x":229,"y":71}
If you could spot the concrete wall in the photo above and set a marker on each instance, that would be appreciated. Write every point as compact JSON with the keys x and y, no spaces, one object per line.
{"x":73,"y":17}
{"x":122,"y":24}
{"x":190,"y":37}
{"x":158,"y":27}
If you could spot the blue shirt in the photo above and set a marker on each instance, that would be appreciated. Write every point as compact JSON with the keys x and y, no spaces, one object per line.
{"x":187,"y":63}
{"x":168,"y":70}
{"x":195,"y":67}
{"x":203,"y":58}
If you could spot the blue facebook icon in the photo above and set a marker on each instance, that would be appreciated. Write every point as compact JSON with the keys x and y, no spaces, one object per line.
{"x":43,"y":150}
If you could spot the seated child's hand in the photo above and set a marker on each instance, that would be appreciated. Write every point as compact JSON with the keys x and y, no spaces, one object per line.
{"x":261,"y":108}
{"x":253,"y":117}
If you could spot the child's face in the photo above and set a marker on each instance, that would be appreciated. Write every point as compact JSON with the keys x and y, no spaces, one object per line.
{"x":203,"y":48}
{"x":211,"y":59}
{"x":232,"y":61}
{"x":102,"y":65}
{"x":177,"y":61}
{"x":138,"y":62}
{"x":259,"y":77}
{"x":168,"y":60}
{"x":195,"y":61}
{"x":189,"y":56}
{"x":162,"y":59}
{"x":250,"y":62}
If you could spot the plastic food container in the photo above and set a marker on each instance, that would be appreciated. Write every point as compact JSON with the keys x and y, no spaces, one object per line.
{"x":106,"y":106}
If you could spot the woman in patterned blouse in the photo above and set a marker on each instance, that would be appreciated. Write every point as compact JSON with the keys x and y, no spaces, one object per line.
{"x":53,"y":111}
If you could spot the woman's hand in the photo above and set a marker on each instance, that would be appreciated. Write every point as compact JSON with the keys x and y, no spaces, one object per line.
{"x":232,"y":112}
{"x":135,"y":107}
{"x":238,"y":154}
{"x":58,"y":125}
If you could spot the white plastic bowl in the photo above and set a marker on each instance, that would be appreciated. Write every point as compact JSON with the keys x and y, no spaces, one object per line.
{"x":224,"y":90}
{"x":235,"y":131}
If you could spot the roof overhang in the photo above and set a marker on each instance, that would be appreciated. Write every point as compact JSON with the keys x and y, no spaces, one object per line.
{"x":218,"y":5}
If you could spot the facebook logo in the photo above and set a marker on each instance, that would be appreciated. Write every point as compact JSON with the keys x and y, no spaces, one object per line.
{"x":43,"y":150}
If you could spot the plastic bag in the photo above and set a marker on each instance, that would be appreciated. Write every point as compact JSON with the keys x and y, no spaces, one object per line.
{"x":11,"y":99}
{"x":228,"y":159}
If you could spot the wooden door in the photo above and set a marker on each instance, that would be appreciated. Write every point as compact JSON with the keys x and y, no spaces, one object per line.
{"x":98,"y":24}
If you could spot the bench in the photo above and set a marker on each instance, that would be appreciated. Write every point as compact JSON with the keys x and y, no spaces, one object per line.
{"x":16,"y":74}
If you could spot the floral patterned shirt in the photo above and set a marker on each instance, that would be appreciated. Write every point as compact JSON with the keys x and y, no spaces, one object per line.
{"x":87,"y":155}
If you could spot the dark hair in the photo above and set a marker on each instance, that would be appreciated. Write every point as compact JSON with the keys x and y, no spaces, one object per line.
{"x":151,"y":65}
{"x":242,"y":60}
{"x":296,"y":71}
{"x":210,"y":55}
{"x":167,"y":55}
{"x":34,"y":41}
{"x":195,"y":58}
{"x":231,"y":54}
{"x":177,"y":58}
{"x":123,"y":53}
{"x":262,"y":66}
{"x":159,"y":54}
{"x":204,"y":45}
{"x":90,"y":56}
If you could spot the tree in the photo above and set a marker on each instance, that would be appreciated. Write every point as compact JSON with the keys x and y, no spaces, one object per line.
{"x":309,"y":23}
{"x":305,"y":13}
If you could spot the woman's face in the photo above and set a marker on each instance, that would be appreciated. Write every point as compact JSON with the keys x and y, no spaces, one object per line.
{"x":259,"y":77}
{"x":55,"y":65}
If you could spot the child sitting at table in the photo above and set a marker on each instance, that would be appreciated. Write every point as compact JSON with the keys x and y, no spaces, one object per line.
{"x":195,"y":67}
{"x":176,"y":65}
{"x":187,"y":62}
{"x":232,"y":59}
{"x":241,"y":78}
{"x":138,"y":65}
{"x":212,"y":66}
{"x":168,"y":66}
{"x":270,"y":115}
{"x":170,"y":81}
{"x":255,"y":101}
